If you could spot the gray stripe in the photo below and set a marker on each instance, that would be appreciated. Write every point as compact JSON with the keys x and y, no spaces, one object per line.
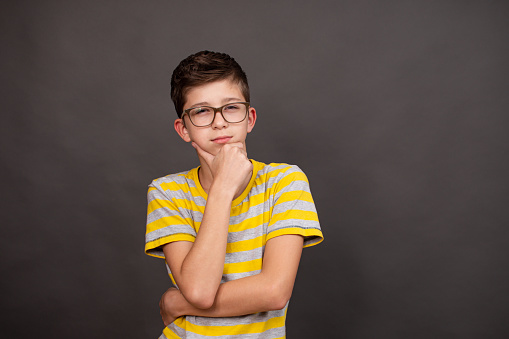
{"x":244,"y":256}
{"x":277,"y":332}
{"x":247,"y":234}
{"x":253,"y":211}
{"x":296,"y":185}
{"x":179,"y":178}
{"x":298,"y":205}
{"x":232,"y":321}
{"x":156,"y":194}
{"x":170,"y":230}
{"x":309,"y":224}
{"x":180,"y":195}
{"x":160,"y":193}
{"x":263,"y":186}
{"x":162,"y":212}
{"x":235,"y":276}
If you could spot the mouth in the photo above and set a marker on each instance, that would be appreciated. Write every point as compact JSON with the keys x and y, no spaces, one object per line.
{"x":221,"y":139}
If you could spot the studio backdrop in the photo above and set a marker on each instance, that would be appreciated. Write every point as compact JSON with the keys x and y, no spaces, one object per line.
{"x":397,"y":111}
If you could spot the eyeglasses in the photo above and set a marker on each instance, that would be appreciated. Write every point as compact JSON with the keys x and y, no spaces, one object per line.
{"x":204,"y":115}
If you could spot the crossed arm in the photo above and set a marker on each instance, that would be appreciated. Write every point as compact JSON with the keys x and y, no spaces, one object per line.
{"x":198,"y":267}
{"x":269,"y":290}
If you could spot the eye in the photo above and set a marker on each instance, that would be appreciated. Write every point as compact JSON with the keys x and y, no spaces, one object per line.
{"x":231,"y":107}
{"x":200,"y":110}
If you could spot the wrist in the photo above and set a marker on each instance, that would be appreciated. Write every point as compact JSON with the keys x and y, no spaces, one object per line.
{"x":179,"y":304}
{"x":222,"y":190}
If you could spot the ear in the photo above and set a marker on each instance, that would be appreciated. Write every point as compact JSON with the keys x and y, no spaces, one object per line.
{"x":181,"y":129}
{"x":251,"y":119}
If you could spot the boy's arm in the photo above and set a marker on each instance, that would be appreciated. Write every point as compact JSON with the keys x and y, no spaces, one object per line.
{"x":269,"y":290}
{"x":197,"y":267}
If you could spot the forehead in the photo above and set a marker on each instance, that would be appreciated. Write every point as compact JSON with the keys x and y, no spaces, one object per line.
{"x":215,"y":93}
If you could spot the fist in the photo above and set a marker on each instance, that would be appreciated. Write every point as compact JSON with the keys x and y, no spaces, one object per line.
{"x":230,"y":167}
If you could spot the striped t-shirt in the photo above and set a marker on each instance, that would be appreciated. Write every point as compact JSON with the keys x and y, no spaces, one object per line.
{"x":276,"y":201}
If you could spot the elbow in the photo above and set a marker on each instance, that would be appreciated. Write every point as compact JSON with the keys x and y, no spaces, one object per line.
{"x":200,"y":298}
{"x":279,"y":297}
{"x":278,"y":304}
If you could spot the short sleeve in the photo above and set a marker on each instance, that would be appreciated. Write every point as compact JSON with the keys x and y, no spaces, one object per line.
{"x":294,"y":210}
{"x":168,"y":219}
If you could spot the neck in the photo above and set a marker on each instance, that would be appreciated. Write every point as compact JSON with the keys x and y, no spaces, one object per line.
{"x":205,"y":176}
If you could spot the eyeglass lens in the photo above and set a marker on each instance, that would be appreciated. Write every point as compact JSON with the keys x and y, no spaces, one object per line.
{"x":232,"y":113}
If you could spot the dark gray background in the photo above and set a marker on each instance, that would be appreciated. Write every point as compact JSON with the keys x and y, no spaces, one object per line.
{"x":396,"y":110}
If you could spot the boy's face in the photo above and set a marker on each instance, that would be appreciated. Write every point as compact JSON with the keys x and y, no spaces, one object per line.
{"x":212,"y":138}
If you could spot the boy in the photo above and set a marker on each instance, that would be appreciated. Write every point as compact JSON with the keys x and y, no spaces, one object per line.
{"x":231,"y":230}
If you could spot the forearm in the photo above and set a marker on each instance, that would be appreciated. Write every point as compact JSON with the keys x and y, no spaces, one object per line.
{"x":238,"y":297}
{"x":202,"y":267}
{"x":198,"y":267}
{"x":269,"y":290}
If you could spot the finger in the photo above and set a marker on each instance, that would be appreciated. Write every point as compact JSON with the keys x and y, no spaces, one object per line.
{"x":242,"y":148}
{"x":237,"y":144}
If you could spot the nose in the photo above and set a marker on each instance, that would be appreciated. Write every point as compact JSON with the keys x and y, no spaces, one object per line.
{"x":219,"y":121}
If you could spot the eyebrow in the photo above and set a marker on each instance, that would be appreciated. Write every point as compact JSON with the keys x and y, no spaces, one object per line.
{"x":225,"y":101}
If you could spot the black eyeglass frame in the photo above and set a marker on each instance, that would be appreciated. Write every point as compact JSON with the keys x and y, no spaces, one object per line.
{"x":216,"y":109}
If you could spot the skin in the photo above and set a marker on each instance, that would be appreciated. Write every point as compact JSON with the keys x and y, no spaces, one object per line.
{"x":224,"y":174}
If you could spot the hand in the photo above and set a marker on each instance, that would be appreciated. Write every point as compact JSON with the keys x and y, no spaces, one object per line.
{"x":168,"y":305}
{"x":230,"y":166}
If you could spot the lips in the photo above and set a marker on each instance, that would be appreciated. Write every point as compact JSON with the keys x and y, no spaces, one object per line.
{"x":222,"y":139}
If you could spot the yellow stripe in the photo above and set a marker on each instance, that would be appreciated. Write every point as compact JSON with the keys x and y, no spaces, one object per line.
{"x":258,"y":327}
{"x":295,"y":195}
{"x":158,"y":203}
{"x":173,"y":186}
{"x":170,"y":334}
{"x":255,"y":200}
{"x":242,"y":267}
{"x":250,"y":223}
{"x":294,"y":214}
{"x":245,"y":245}
{"x":155,"y":204}
{"x":164,"y":240}
{"x":264,"y":178}
{"x":172,"y":279}
{"x":180,"y":322}
{"x":166,"y":221}
{"x":290,"y":178}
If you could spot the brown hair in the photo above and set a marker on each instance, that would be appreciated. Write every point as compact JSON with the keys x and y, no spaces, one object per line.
{"x":201,"y":68}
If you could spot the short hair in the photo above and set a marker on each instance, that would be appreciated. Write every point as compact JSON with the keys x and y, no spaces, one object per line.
{"x":202,"y":68}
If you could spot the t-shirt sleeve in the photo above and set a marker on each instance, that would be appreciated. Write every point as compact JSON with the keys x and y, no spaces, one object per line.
{"x":294,"y":210}
{"x":166,"y":220}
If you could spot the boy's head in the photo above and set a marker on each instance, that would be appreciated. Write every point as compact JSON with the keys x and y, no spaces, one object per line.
{"x":202,"y":68}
